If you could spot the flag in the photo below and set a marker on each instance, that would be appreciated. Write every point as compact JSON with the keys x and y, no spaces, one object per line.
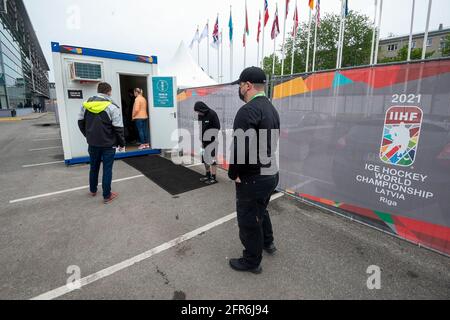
{"x":318,"y":12}
{"x":287,"y":8}
{"x":346,"y":7}
{"x":215,"y":35}
{"x":259,"y":27}
{"x":247,"y":29}
{"x":244,"y":41}
{"x":311,"y":4}
{"x":230,"y":25}
{"x":266,"y":12}
{"x":276,"y":26}
{"x":295,"y":29}
{"x":204,"y":33}
{"x":196,"y":38}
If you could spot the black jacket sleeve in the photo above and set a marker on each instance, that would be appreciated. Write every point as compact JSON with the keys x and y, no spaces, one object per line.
{"x":82,"y":123}
{"x":244,"y":121}
{"x":120,"y":135}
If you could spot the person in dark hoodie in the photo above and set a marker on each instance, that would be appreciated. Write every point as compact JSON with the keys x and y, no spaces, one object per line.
{"x":101,"y":122}
{"x":210,"y":132}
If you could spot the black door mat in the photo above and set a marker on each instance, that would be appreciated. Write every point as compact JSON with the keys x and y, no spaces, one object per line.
{"x":172,"y":178}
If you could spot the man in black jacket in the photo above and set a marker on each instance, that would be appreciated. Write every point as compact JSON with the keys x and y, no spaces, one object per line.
{"x":210,"y":132}
{"x":101,"y":122}
{"x":254,"y":167}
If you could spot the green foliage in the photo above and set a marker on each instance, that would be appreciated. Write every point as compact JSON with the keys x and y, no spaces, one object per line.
{"x":446,"y":48}
{"x":357,"y":45}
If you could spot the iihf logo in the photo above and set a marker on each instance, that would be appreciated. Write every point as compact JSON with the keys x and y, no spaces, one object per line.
{"x":401,"y":135}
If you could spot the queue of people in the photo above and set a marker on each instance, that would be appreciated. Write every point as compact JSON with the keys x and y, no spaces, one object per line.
{"x":101,"y":121}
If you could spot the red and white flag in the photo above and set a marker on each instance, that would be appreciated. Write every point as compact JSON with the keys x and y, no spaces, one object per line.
{"x":259,"y":28}
{"x":266,"y":12}
{"x":215,"y":35}
{"x":295,"y":28}
{"x":247,"y":28}
{"x":276,"y":26}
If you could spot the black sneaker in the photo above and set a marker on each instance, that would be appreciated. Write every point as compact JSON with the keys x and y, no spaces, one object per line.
{"x":204,"y":179}
{"x":239,"y":265}
{"x":210,"y":182}
{"x":271,"y":249}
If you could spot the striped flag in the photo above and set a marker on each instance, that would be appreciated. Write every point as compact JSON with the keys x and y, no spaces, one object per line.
{"x":276,"y":26}
{"x":259,"y":27}
{"x":296,"y":20}
{"x":215,"y":43}
{"x":311,"y":4}
{"x":318,"y":12}
{"x":266,"y":12}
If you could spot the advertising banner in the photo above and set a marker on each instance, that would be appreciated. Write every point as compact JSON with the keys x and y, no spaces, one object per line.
{"x":372,"y":143}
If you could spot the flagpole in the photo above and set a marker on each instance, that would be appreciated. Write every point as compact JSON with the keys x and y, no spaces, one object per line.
{"x":342,"y":41}
{"x":293,"y":52}
{"x":315,"y":42}
{"x":245,"y":50}
{"x":294,"y":40}
{"x":198,"y":48}
{"x":263,"y":34}
{"x":378,"y":33}
{"x":284,"y":40}
{"x":221,"y":56}
{"x":340,"y":35}
{"x":231,"y":44}
{"x":374,"y":32}
{"x":274,"y":54}
{"x":411,"y":31}
{"x":257,"y":55}
{"x":218,"y":56}
{"x":309,"y":40}
{"x":425,"y":40}
{"x":207,"y":48}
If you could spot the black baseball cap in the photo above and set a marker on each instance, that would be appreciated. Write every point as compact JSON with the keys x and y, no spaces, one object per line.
{"x":253,"y":75}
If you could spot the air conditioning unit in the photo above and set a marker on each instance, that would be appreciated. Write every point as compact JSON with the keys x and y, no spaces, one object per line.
{"x":86,"y":72}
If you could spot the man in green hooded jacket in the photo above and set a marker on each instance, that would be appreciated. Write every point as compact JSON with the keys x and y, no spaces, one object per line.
{"x":101,"y":122}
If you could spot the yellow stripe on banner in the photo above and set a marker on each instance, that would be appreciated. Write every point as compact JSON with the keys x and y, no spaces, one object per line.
{"x":182,"y":96}
{"x":290,"y":88}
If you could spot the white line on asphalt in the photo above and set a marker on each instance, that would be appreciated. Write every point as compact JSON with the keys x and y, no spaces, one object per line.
{"x":139,"y":258}
{"x":194,"y":165}
{"x":50,"y":139}
{"x":68,"y":190}
{"x":41,"y":149}
{"x":41,"y":164}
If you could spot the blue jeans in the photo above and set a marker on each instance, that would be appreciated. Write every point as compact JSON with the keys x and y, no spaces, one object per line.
{"x":143,"y":128}
{"x":99,"y":155}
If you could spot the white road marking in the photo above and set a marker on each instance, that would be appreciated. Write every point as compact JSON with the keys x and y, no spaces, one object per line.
{"x":194,"y":165}
{"x":41,"y":164}
{"x":49,"y":139}
{"x":139,"y":258}
{"x":41,"y":149}
{"x":68,"y":190}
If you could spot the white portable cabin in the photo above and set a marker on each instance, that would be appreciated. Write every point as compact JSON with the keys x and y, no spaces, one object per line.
{"x":78,"y":71}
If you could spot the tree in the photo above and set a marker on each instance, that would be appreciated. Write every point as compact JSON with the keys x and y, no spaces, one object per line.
{"x":416,"y":54}
{"x":357,"y":45}
{"x":446,"y":48}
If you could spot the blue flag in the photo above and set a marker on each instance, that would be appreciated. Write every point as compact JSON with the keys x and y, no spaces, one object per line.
{"x":230,"y":25}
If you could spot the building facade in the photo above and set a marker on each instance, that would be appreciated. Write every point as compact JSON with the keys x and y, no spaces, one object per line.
{"x":23,"y":68}
{"x":390,"y":47}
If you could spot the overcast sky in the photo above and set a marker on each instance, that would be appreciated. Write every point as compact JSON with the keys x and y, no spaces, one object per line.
{"x":157,"y":27}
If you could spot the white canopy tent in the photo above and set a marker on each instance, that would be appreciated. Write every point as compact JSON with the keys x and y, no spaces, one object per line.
{"x":188,"y":72}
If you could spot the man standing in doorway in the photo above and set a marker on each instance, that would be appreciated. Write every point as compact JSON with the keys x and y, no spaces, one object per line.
{"x":254,"y":168}
{"x":101,"y":123}
{"x":210,"y":133}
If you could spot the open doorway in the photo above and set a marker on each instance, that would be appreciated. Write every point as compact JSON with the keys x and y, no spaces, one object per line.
{"x":127,"y":85}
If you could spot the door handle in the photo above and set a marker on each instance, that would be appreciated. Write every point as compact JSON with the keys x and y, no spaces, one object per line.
{"x":174,"y":114}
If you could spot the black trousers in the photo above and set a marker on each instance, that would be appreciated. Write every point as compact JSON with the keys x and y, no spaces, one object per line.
{"x":255,"y":227}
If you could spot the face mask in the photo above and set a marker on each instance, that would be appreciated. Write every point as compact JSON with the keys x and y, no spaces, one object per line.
{"x":241,"y":96}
